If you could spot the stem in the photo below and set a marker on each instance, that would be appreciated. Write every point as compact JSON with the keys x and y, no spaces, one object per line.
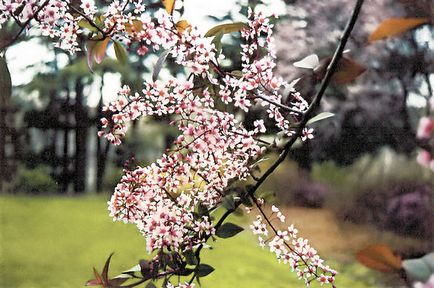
{"x":280,"y":105}
{"x":90,"y":21}
{"x":275,"y":232}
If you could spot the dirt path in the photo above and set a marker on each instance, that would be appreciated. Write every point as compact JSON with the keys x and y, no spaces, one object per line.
{"x":342,"y":239}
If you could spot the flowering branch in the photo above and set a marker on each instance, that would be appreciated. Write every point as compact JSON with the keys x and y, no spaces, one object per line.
{"x":170,"y":201}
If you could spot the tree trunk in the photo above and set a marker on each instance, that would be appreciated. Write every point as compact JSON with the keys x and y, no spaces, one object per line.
{"x":81,"y":120}
{"x":3,"y":130}
{"x":65,"y":158}
{"x":102,"y":147}
{"x":5,"y":95}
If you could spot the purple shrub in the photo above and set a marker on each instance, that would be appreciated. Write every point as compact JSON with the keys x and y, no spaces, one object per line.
{"x":310,"y":194}
{"x":404,"y":208}
{"x":410,"y":212}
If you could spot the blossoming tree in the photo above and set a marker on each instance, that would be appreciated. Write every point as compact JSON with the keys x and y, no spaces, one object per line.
{"x":172,"y":201}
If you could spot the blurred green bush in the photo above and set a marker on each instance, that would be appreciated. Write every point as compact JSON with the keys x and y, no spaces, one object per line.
{"x":34,"y":181}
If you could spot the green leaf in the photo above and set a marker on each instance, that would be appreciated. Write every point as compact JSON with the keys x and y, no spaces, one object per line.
{"x":238,"y":212}
{"x":237,"y":73}
{"x":246,"y":200}
{"x":319,"y":117}
{"x":228,"y":230}
{"x":190,"y":258}
{"x":202,"y":210}
{"x":99,"y":21}
{"x":185,"y":272}
{"x":226,"y":28}
{"x":121,"y":53}
{"x":228,"y":202}
{"x":83,"y":23}
{"x":217,"y":41}
{"x":159,"y":65}
{"x":150,"y":285}
{"x":203,"y":270}
{"x":420,"y":269}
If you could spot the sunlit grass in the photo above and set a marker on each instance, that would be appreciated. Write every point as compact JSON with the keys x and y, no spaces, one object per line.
{"x":55,"y":242}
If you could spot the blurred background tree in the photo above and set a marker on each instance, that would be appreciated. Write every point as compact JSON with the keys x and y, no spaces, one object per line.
{"x":381,"y":108}
{"x":362,"y":155}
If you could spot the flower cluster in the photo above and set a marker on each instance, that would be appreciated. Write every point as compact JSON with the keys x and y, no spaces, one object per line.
{"x":291,"y":249}
{"x":212,"y":149}
{"x":51,"y":17}
{"x":257,"y":83}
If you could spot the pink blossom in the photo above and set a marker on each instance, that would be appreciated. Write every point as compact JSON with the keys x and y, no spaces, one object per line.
{"x":423,"y":158}
{"x":294,"y":251}
{"x":425,"y":128}
{"x":307,"y":133}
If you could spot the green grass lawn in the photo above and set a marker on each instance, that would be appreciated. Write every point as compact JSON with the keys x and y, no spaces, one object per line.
{"x":55,"y":242}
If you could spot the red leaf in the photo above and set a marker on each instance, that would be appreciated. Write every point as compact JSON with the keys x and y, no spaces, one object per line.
{"x":96,"y":49}
{"x":347,"y":71}
{"x":97,"y":281}
{"x":169,"y":5}
{"x":93,"y":282}
{"x":182,"y":25}
{"x":379,"y":257}
{"x":105,"y":270}
{"x":134,"y":27}
{"x":394,"y":26}
{"x":100,"y":49}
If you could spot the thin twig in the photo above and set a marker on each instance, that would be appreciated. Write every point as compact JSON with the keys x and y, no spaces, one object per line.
{"x":280,"y":105}
{"x":90,"y":21}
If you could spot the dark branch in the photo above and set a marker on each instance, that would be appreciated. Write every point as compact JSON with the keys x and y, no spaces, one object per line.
{"x":317,"y":99}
